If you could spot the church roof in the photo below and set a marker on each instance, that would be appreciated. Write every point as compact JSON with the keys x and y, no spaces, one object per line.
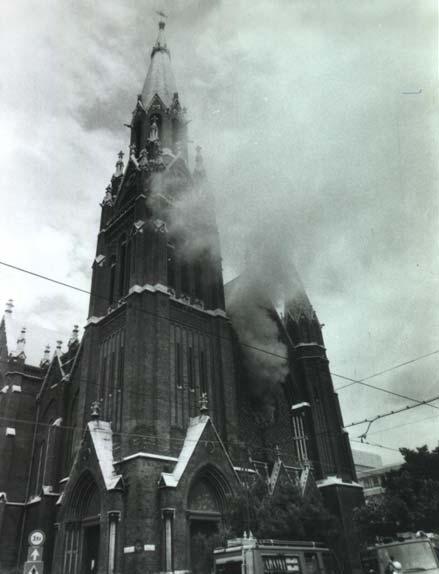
{"x":299,"y":305}
{"x":160,"y":77}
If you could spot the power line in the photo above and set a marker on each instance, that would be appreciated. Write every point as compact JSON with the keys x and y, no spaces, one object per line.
{"x":408,"y":398}
{"x":390,"y":413}
{"x":375,"y":444}
{"x":193,"y":402}
{"x":353,"y":381}
{"x":405,"y":424}
{"x":243,"y":445}
{"x":388,"y":370}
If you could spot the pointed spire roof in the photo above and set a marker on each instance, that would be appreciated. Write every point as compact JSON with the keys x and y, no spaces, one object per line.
{"x":160,"y":78}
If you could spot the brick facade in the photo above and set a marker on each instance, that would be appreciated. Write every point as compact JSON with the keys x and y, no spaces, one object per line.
{"x":112,"y":456}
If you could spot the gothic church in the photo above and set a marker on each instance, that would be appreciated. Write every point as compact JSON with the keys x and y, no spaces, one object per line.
{"x":124,"y":446}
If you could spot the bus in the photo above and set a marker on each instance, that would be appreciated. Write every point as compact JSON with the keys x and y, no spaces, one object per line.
{"x":419,"y":554}
{"x":252,"y":556}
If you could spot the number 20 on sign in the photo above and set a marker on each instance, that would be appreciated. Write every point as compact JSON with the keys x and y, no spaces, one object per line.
{"x":36,"y":538}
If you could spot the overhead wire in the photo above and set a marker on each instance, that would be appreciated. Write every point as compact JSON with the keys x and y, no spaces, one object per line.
{"x":375,"y":444}
{"x":243,"y":445}
{"x":388,"y":370}
{"x":352,"y":381}
{"x":195,"y":393}
{"x":389,"y":413}
{"x":405,"y":424}
{"x":246,"y":345}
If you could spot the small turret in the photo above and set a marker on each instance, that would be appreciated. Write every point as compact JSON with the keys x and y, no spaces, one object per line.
{"x":19,"y":353}
{"x":204,"y":404}
{"x":58,"y":350}
{"x":74,"y":340}
{"x":9,"y":306}
{"x":95,"y":410}
{"x":21,"y":341}
{"x":45,"y":361}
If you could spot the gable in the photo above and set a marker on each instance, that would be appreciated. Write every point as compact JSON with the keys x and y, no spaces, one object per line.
{"x":128,"y":186}
{"x":202,"y":446}
{"x":94,"y":456}
{"x":54,"y":375}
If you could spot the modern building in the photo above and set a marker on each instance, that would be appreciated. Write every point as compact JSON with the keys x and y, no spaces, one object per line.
{"x":125,"y":446}
{"x":364,"y":460}
{"x":372,"y":481}
{"x":371,"y":472}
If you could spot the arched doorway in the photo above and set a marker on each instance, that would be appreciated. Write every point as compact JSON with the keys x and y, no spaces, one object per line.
{"x":82,"y":528}
{"x":206,"y":504}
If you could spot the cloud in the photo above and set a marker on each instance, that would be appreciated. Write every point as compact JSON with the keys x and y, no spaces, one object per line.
{"x":308,"y":138}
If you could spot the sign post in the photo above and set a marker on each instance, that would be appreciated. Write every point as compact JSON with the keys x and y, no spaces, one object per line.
{"x":35,"y":564}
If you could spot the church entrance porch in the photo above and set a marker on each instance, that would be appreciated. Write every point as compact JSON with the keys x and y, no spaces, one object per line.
{"x":203,"y":532}
{"x":91,"y":548}
{"x":205,"y":509}
{"x":79,"y":538}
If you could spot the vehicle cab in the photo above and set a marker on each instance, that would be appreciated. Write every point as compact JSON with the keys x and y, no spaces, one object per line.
{"x":417,"y":554}
{"x":252,"y":556}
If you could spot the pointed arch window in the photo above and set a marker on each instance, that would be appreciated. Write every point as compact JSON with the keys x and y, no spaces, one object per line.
{"x":175,"y":133}
{"x":138,"y":137}
{"x":128,"y":267}
{"x":40,"y":461}
{"x":203,"y":381}
{"x":124,"y":265}
{"x":190,"y":369}
{"x":112,"y":293}
{"x":198,"y":280}
{"x":185,"y":278}
{"x":171,"y":266}
{"x":178,"y":366}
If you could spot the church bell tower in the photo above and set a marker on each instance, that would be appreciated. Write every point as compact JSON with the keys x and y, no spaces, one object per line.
{"x":157,"y":335}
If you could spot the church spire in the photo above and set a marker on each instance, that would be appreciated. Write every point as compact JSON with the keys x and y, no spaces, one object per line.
{"x":160,"y":79}
{"x":160,"y":43}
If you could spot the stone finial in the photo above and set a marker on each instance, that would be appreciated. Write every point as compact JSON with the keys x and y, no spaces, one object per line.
{"x":9,"y":306}
{"x":46,"y":357}
{"x":74,"y":337}
{"x":58,"y":347}
{"x":47,"y":353}
{"x":204,"y":404}
{"x":119,"y":165}
{"x":21,"y":341}
{"x":277,"y":451}
{"x":108,"y":196}
{"x":95,"y":410}
{"x":133,"y":149}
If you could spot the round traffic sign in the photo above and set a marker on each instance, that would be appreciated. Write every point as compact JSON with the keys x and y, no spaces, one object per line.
{"x":37,"y":538}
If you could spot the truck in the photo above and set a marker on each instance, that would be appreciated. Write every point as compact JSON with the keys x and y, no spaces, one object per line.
{"x":253,"y":556}
{"x":417,"y":554}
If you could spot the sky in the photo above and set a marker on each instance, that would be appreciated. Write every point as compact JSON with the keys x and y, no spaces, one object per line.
{"x":319,"y":127}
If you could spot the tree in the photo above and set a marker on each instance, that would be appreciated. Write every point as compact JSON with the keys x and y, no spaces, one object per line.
{"x":411,"y":499}
{"x":284,"y":515}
